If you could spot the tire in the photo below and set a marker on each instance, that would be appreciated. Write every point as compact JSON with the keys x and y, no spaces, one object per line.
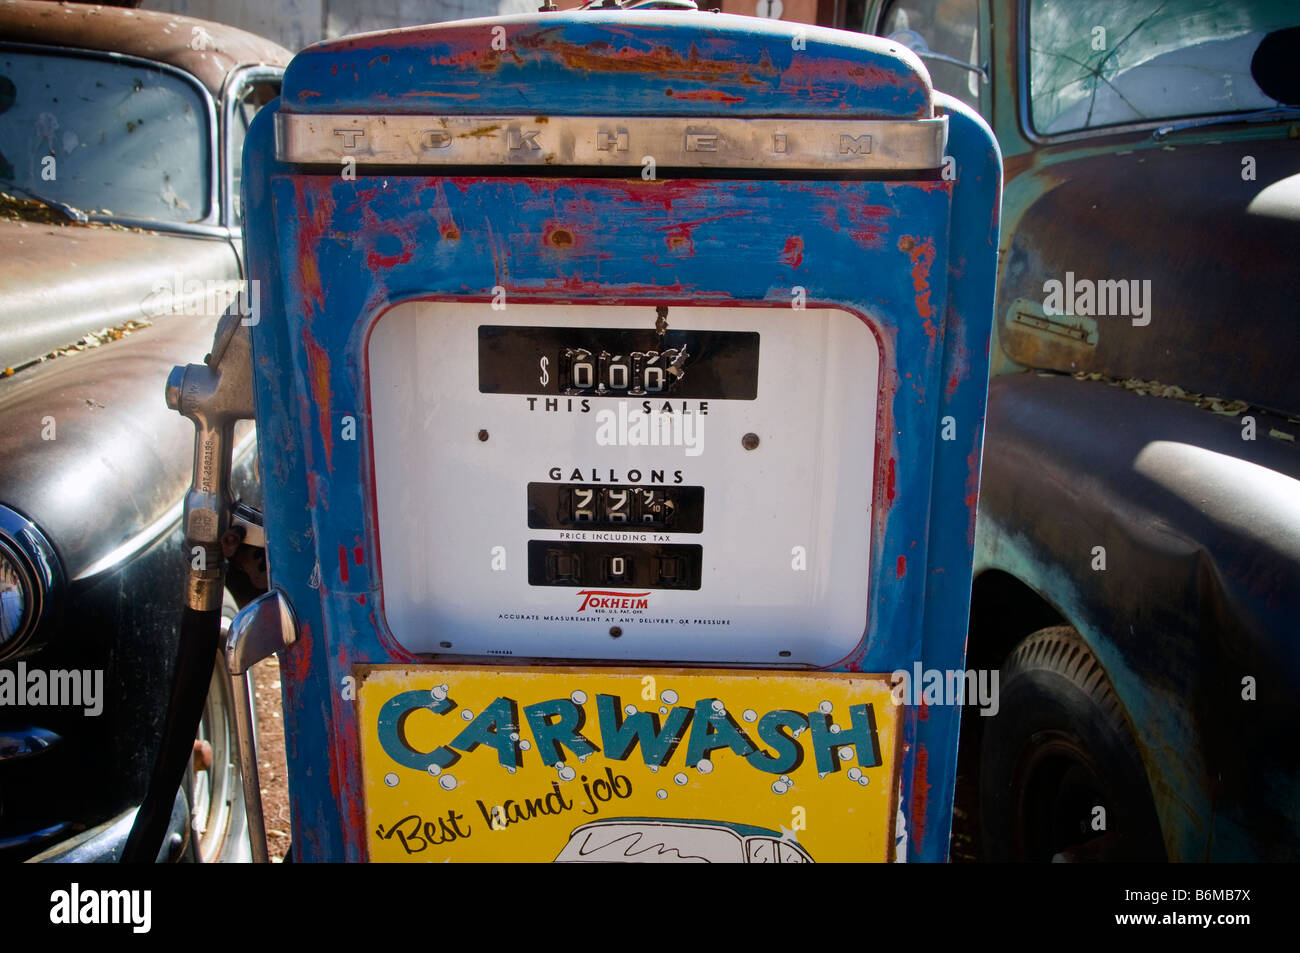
{"x":215,"y":787}
{"x":1061,"y":747}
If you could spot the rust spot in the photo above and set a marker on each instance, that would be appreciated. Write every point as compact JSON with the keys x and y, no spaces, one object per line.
{"x":343,"y":563}
{"x":561,"y":238}
{"x":676,"y":241}
{"x":308,"y":94}
{"x":451,"y":233}
{"x":479,"y":132}
{"x":541,"y":119}
{"x":922,"y":255}
{"x":901,"y":569}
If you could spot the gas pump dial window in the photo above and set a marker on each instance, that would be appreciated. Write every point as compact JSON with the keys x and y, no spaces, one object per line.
{"x":612,"y":482}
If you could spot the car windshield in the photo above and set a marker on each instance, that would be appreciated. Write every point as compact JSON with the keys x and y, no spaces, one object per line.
{"x":651,"y":842}
{"x":105,"y":137}
{"x":1099,"y":63}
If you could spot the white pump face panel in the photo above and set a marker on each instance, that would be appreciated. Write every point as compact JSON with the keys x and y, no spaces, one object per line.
{"x":590,"y":482}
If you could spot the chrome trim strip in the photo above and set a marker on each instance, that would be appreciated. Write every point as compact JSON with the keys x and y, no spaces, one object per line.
{"x":155,"y":530}
{"x":623,"y":141}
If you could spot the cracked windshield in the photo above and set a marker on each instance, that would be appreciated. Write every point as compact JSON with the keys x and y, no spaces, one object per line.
{"x":1151,"y":60}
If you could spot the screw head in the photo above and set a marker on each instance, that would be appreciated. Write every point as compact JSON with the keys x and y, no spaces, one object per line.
{"x":749,"y":441}
{"x":483,"y":435}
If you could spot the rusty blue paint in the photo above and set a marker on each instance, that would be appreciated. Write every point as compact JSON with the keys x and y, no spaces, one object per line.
{"x":914,"y":259}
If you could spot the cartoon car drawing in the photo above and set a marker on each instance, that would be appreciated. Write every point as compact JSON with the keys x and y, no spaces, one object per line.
{"x":660,"y":840}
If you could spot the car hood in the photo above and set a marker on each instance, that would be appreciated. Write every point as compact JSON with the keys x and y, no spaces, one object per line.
{"x":61,"y":282}
{"x":89,"y":450}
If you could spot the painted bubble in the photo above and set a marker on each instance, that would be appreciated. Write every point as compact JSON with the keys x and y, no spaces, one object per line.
{"x":864,"y":780}
{"x":448,"y":782}
{"x":718,"y":706}
{"x":704,"y":766}
{"x":435,"y":769}
{"x":854,"y":773}
{"x":825,"y":708}
{"x":467,"y":715}
{"x":750,"y":715}
{"x":779,"y":787}
{"x":679,"y":778}
{"x":567,"y":773}
{"x":578,"y":698}
{"x":835,"y":729}
{"x":630,"y":710}
{"x":668,"y":697}
{"x":525,"y":745}
{"x":846,"y":754}
{"x":663,"y":711}
{"x":661,"y":794}
{"x":438,"y":692}
{"x":514,"y":736}
{"x":390,"y":780}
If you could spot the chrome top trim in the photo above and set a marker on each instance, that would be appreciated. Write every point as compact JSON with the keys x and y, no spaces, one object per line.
{"x":623,"y":141}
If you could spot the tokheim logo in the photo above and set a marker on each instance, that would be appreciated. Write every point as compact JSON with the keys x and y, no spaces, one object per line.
{"x":599,"y":599}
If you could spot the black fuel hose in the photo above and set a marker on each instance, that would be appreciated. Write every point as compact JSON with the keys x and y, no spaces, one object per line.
{"x":199,"y":640}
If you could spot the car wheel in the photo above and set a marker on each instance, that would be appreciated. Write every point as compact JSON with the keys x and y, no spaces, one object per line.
{"x":1060,"y":774}
{"x":216,"y":791}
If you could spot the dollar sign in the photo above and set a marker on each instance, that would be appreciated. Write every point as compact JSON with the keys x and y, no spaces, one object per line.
{"x":545,"y":376}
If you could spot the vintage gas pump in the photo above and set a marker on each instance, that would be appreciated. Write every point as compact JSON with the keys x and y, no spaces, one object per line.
{"x":619,"y":382}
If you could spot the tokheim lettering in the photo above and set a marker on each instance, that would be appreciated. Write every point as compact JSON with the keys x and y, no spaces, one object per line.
{"x":599,"y":599}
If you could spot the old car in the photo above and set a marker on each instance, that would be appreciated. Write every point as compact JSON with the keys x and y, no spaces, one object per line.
{"x":120,"y":235}
{"x":1138,"y":532}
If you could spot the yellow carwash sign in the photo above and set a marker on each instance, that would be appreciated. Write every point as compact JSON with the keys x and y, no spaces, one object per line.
{"x":544,"y":764}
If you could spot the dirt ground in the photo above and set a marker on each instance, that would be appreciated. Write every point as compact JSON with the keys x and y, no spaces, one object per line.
{"x":271,"y":771}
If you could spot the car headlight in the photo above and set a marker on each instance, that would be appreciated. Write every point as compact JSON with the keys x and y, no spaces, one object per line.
{"x":30,"y":576}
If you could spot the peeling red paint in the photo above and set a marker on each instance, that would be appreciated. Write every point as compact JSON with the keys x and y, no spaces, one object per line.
{"x":343,"y":563}
{"x":359,"y":555}
{"x":318,"y":367}
{"x":705,"y":95}
{"x":295,"y":661}
{"x":375,"y":261}
{"x":901,"y":569}
{"x":920,"y":795}
{"x":792,"y":254}
{"x":361,"y":600}
{"x":889,"y":481}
